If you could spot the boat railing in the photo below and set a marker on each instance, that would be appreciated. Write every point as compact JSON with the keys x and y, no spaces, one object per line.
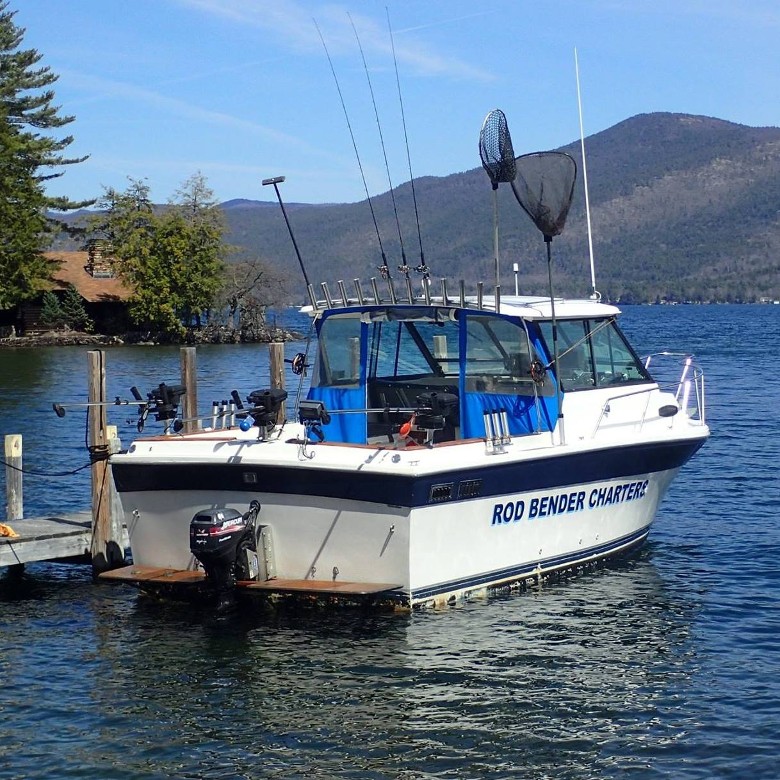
{"x":687,"y":389}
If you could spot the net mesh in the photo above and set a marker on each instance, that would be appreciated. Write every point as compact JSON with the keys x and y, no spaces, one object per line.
{"x":544,"y":187}
{"x":495,"y":148}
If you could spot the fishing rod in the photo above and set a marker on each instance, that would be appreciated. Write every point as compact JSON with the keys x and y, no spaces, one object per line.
{"x":161,"y":401}
{"x":384,"y":269}
{"x":404,"y":267}
{"x":422,"y":268}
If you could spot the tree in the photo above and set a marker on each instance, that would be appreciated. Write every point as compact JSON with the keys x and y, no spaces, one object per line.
{"x":51,"y":311}
{"x":172,"y":258}
{"x":195,"y":213}
{"x":249,"y":288}
{"x":69,"y":313}
{"x":74,"y":313}
{"x":29,"y":156}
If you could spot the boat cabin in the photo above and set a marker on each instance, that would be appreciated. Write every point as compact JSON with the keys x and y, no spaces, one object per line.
{"x":437,"y":373}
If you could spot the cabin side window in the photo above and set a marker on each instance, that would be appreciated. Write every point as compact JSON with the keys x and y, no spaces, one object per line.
{"x":498,"y":358}
{"x":338,"y":359}
{"x":413,"y":349}
{"x":593,"y":353}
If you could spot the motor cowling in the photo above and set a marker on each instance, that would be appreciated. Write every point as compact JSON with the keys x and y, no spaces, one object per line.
{"x":224,"y":542}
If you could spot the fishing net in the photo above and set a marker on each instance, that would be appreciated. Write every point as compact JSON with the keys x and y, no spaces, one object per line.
{"x":544,"y":187}
{"x":495,"y":148}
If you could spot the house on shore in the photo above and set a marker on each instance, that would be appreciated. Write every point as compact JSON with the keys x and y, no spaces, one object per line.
{"x":91,"y":273}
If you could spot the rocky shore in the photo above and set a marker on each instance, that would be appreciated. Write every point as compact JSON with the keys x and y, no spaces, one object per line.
{"x":69,"y":338}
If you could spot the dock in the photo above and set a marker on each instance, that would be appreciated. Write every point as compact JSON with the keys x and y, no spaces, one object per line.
{"x":68,"y":537}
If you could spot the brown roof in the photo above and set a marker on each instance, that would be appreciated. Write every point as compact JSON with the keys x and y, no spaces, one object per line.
{"x":73,"y":270}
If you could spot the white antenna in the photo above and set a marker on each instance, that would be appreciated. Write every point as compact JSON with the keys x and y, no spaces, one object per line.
{"x":595,"y":295}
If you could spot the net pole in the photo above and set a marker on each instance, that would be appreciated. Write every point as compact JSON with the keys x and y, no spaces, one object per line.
{"x":558,"y":394}
{"x":495,"y":231}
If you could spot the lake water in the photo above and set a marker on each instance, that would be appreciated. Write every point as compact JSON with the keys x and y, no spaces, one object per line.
{"x":663,"y":666}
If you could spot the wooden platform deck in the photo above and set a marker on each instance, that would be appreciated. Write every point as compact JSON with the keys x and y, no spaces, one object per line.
{"x":48,"y":539}
{"x":156,"y":576}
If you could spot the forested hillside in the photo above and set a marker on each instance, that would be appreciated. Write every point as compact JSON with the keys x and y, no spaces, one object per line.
{"x":684,"y":207}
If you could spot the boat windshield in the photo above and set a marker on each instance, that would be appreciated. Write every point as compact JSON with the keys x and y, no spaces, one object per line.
{"x":594,"y":353}
{"x":377,"y":366}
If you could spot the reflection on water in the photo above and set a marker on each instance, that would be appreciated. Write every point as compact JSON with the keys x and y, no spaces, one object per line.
{"x":574,"y":680}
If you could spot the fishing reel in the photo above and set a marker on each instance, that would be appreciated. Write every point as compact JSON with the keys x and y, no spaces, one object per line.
{"x":298,"y":364}
{"x":161,"y":401}
{"x":263,"y":411}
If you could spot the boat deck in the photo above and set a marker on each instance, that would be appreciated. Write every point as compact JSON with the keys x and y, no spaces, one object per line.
{"x":160,"y":576}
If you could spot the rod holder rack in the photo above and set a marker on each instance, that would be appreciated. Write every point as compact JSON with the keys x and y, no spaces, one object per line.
{"x":412,"y":297}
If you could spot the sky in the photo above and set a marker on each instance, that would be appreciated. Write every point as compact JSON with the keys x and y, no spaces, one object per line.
{"x":242,"y":90}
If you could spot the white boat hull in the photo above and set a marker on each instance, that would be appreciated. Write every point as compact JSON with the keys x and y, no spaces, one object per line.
{"x":432,"y":551}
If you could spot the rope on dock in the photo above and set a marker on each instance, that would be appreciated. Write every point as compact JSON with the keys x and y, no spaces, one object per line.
{"x":98,"y":453}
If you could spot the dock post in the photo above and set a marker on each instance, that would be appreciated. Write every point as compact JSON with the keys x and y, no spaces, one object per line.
{"x":276,"y":364}
{"x":14,"y":503}
{"x":116,"y":513}
{"x":107,"y":551}
{"x":189,"y":378}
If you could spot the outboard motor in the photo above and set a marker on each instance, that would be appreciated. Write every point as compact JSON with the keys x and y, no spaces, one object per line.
{"x":224,"y":541}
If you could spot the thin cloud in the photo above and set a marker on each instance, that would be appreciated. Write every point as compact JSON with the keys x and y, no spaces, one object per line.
{"x":105,"y":89}
{"x":292,"y":23}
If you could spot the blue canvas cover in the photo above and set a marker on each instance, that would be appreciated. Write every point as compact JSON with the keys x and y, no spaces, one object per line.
{"x":347,"y":391}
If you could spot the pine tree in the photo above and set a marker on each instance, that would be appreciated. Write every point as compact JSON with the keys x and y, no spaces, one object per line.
{"x":74,"y":313}
{"x":196,"y":217}
{"x":51,"y":311}
{"x":29,"y":156}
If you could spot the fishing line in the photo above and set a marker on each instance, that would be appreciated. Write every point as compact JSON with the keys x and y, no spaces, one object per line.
{"x":384,"y":268}
{"x":404,"y":268}
{"x":422,"y":268}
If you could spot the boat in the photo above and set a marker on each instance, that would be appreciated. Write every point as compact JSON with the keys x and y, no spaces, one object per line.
{"x":448,"y":441}
{"x":437,"y":453}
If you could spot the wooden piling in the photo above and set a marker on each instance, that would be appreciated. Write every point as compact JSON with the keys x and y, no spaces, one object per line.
{"x":106,"y":550}
{"x":116,"y":513}
{"x":276,"y":364}
{"x":14,"y":504}
{"x":189,"y":378}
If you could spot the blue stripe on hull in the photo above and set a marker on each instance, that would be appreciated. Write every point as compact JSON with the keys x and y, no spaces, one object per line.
{"x":497,"y":478}
{"x":516,"y":573}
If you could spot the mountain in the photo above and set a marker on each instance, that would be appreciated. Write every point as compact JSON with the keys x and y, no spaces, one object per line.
{"x":681,"y":206}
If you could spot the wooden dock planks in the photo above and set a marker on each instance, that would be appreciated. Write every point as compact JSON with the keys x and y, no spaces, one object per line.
{"x":49,"y":539}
